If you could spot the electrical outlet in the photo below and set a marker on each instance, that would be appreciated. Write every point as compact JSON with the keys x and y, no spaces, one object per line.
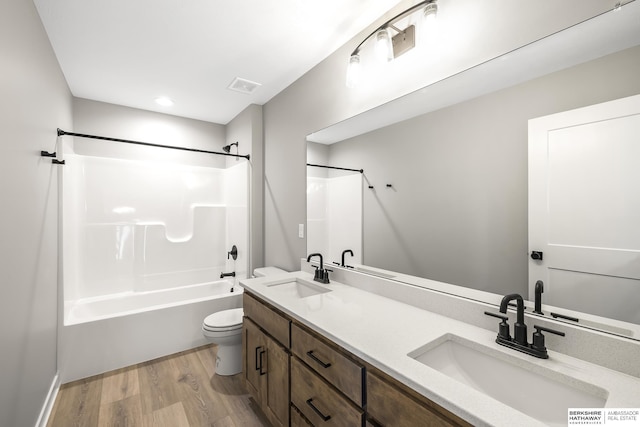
{"x":301,"y":231}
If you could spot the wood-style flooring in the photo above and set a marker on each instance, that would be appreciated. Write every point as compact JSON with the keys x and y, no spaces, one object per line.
{"x":180,"y":390}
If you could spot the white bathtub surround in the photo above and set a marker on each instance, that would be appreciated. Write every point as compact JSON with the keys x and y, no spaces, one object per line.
{"x":112,"y":333}
{"x":387,"y":333}
{"x":133,"y":225}
{"x":334,"y":216}
{"x":144,"y":242}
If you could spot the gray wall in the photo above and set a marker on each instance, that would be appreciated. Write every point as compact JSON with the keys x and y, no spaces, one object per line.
{"x":246,"y":128}
{"x":103,"y":119}
{"x":317,"y":154}
{"x":35,"y":101}
{"x":457,"y":211}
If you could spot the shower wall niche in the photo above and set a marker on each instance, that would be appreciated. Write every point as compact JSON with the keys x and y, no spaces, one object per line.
{"x":132,"y":225}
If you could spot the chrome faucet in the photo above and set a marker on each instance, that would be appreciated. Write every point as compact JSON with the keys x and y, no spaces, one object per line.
{"x":519,"y":341}
{"x":321,"y":275}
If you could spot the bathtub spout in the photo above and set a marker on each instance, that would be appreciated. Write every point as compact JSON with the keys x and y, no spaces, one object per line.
{"x":232,"y":274}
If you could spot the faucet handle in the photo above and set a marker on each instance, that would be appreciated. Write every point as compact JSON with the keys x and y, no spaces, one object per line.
{"x":325,"y":275}
{"x":552,"y":331}
{"x":538,"y":339}
{"x":503,"y":327}
{"x":499,"y":316}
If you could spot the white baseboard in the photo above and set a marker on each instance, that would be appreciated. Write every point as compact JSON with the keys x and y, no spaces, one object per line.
{"x":43,"y":419}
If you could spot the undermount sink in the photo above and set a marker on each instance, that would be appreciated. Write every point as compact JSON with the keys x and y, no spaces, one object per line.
{"x":299,"y":288}
{"x":538,"y":392}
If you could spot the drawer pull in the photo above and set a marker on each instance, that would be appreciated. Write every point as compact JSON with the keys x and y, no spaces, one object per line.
{"x":314,"y":357}
{"x":262,"y":352}
{"x":317,"y":411}
{"x":258,"y":358}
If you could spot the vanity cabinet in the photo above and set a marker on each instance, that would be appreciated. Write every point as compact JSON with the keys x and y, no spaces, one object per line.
{"x":301,"y":378}
{"x":266,"y":360}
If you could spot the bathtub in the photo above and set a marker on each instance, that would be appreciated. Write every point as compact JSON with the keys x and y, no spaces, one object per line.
{"x":106,"y":333}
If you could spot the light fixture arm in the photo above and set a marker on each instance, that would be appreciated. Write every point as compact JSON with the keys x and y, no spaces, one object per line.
{"x":390,"y":22}
{"x":394,"y":28}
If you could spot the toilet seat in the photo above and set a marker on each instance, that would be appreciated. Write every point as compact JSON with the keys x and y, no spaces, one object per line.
{"x":224,"y":321}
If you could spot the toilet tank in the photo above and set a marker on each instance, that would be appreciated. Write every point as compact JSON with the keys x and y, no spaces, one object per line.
{"x":268,"y":271}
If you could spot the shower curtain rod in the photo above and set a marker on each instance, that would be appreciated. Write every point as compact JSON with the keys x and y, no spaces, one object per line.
{"x":148,"y":144}
{"x":335,"y":167}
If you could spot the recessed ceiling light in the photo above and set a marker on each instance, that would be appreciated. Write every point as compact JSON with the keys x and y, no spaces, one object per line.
{"x":164,"y":101}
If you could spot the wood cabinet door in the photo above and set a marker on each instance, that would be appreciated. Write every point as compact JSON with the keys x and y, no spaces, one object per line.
{"x":254,"y":351}
{"x":276,"y":402}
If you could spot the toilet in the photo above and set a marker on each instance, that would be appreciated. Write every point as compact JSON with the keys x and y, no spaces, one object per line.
{"x":224,"y":328}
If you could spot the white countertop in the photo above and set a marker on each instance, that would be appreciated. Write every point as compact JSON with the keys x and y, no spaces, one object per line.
{"x":382,"y":331}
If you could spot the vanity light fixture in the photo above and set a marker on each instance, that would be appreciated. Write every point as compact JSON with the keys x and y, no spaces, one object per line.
{"x":388,"y":47}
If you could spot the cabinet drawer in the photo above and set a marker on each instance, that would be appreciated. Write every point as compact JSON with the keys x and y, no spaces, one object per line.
{"x":387,"y":405}
{"x":297,"y":420}
{"x":267,"y":318}
{"x":319,"y":402}
{"x":342,"y":372}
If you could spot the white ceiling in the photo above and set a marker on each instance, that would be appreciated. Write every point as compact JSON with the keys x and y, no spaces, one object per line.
{"x":130,"y":52}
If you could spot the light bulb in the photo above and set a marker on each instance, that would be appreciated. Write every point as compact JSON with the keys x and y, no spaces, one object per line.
{"x":430,"y":13}
{"x":384,"y":46}
{"x":429,"y":22}
{"x":353,"y":71}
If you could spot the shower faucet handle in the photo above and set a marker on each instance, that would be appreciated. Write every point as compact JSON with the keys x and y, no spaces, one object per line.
{"x":233,"y":252}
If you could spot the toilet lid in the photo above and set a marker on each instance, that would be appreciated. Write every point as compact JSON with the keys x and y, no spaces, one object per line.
{"x":224,"y":319}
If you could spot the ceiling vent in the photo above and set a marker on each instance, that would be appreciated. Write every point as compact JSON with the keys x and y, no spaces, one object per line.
{"x":243,"y":85}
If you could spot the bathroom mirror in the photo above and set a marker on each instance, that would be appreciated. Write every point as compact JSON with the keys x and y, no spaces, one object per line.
{"x":449,"y":177}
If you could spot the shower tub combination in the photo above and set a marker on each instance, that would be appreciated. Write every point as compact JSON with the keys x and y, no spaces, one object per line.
{"x":144,"y":246}
{"x":102,"y":334}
